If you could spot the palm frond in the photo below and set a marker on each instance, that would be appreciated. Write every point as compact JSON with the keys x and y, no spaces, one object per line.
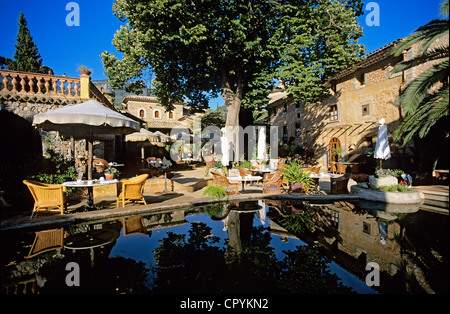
{"x":433,"y":107}
{"x":444,"y":9}
{"x":419,"y":87}
{"x":436,"y":53}
{"x":427,"y":33}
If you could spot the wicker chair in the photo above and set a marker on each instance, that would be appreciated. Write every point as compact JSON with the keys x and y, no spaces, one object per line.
{"x":131,"y":190}
{"x":46,"y":240}
{"x":210,"y":163}
{"x":339,"y":184}
{"x":315,"y":170}
{"x":47,"y":197}
{"x":133,"y":225}
{"x":100,"y":165}
{"x":281,"y":163}
{"x":333,"y":167}
{"x":341,"y":168}
{"x":244,"y":171}
{"x":272,"y":183}
{"x":232,"y":188}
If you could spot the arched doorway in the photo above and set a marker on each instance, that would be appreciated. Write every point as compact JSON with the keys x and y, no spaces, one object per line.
{"x":332,"y":147}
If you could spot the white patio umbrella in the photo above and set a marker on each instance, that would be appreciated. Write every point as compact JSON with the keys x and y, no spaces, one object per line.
{"x":163,"y":137}
{"x":262,"y":154}
{"x":142,"y":136}
{"x":382,"y":150}
{"x":85,"y":121}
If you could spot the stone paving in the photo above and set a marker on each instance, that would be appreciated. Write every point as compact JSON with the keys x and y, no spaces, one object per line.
{"x":155,"y":201}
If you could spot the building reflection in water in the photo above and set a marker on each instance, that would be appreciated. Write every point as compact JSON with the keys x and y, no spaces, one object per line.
{"x":351,"y":233}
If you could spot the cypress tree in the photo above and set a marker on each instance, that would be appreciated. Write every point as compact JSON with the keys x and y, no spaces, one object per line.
{"x":27,"y":57}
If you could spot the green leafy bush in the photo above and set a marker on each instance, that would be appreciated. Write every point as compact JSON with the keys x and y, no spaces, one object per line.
{"x":53,"y":170}
{"x":394,"y":188}
{"x":295,"y":173}
{"x":216,"y":192}
{"x":380,"y":173}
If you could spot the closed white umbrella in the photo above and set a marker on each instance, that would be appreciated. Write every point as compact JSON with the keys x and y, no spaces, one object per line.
{"x":85,"y":121}
{"x":382,"y":150}
{"x":262,"y":154}
{"x":225,"y":147}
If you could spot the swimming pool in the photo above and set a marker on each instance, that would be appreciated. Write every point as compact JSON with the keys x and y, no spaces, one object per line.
{"x":257,"y":247}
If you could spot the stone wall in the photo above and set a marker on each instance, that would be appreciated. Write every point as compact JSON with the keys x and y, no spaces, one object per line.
{"x":50,"y":139}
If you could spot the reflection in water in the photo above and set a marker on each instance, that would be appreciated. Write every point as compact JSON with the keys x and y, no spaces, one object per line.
{"x":265,"y":246}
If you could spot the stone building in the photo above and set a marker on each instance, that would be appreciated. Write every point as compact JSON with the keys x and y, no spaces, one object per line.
{"x":148,"y":109}
{"x":347,"y":121}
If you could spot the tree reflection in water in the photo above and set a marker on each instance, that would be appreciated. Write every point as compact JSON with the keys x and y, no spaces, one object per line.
{"x":197,"y":263}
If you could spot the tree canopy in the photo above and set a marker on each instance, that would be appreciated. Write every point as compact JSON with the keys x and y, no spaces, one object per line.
{"x":26,"y":56}
{"x":238,"y":48}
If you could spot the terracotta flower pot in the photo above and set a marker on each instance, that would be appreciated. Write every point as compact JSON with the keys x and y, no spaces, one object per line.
{"x":109,"y":176}
{"x":296,"y":187}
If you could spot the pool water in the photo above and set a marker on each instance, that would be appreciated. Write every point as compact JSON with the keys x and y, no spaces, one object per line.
{"x":257,"y":247}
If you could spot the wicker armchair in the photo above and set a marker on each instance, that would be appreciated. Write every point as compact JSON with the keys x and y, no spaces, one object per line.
{"x":133,"y":225}
{"x":272,"y":183}
{"x":210,"y":163}
{"x":100,"y":165}
{"x":232,"y":188}
{"x":47,"y":197}
{"x":244,"y":171}
{"x":315,"y":170}
{"x":333,"y":167}
{"x":339,"y":184}
{"x":131,"y":190}
{"x":281,"y":163}
{"x":341,"y":168}
{"x":46,"y":240}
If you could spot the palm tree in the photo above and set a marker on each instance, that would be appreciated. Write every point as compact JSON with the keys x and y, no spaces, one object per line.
{"x":425,"y":99}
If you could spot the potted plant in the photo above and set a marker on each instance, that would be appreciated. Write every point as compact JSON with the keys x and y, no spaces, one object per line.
{"x":84,"y":70}
{"x":337,"y":152}
{"x":298,"y":176}
{"x":110,"y":173}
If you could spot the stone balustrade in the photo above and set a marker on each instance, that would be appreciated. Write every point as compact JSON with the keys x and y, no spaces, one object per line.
{"x":39,"y":84}
{"x":36,"y":86}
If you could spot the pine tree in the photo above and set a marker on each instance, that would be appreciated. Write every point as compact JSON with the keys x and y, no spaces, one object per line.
{"x":26,"y":56}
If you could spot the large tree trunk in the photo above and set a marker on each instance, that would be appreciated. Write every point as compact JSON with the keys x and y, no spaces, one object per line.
{"x":232,"y":93}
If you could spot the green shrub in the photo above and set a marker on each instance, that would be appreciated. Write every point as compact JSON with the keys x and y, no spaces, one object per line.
{"x":216,"y":192}
{"x":380,"y":173}
{"x":296,"y":173}
{"x":394,"y":188}
{"x":52,"y":170}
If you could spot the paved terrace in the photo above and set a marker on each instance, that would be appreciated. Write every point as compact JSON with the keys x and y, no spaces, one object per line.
{"x":187,"y":188}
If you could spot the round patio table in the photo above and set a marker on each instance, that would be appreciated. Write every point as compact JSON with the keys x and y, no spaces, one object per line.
{"x":244,"y":179}
{"x":89,"y":184}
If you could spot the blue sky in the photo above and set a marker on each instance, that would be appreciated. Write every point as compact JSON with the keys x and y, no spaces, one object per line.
{"x":63,"y":48}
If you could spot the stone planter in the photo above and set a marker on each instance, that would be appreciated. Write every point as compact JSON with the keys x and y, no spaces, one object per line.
{"x":376,"y":183}
{"x":364,"y":185}
{"x":411,"y":197}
